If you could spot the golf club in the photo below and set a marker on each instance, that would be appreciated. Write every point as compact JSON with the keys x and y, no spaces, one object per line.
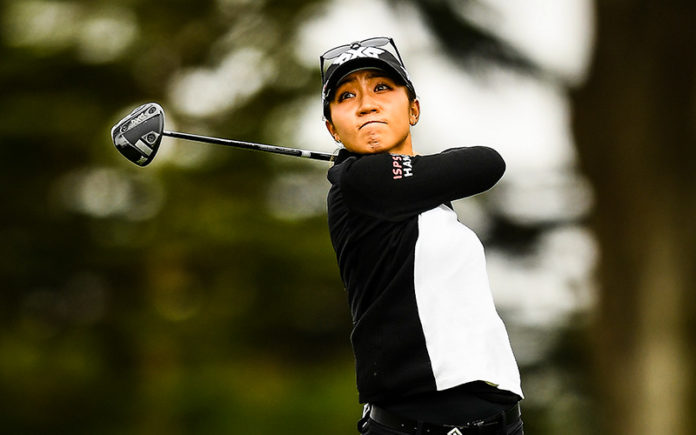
{"x":138,"y":136}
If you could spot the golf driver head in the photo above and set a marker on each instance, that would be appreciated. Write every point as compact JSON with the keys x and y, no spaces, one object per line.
{"x":138,"y":135}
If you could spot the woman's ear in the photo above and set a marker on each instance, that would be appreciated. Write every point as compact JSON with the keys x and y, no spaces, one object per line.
{"x":332,"y":130}
{"x":414,"y":112}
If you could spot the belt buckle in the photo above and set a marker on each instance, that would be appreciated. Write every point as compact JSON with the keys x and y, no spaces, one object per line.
{"x":471,"y":425}
{"x":474,"y":424}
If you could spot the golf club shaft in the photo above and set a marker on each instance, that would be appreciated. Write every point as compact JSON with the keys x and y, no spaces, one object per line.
{"x":251,"y":146}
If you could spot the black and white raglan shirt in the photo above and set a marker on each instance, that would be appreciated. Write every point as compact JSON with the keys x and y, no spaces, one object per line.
{"x":423,"y":314}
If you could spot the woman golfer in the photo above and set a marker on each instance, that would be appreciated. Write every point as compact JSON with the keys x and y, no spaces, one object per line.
{"x":432,"y":355}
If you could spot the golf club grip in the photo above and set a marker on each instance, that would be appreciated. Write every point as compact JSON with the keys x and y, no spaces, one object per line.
{"x":251,"y":146}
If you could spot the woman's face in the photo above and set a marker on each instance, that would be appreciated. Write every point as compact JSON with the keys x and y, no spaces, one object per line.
{"x":371,"y":113}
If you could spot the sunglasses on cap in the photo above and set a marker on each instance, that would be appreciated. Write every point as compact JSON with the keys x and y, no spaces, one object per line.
{"x":342,"y":53}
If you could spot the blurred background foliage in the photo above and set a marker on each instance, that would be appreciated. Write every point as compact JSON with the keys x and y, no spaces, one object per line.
{"x":169,"y":300}
{"x":201,"y":295}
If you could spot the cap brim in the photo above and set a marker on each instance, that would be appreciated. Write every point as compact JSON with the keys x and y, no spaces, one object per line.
{"x":361,"y":64}
{"x":340,"y":81}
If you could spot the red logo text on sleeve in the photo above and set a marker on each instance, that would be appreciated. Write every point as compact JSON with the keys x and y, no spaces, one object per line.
{"x":401,"y":167}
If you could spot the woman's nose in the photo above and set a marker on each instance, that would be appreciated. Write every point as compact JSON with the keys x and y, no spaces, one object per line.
{"x":367,"y":105}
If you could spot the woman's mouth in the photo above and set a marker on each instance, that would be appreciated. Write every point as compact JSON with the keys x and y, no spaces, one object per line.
{"x":371,"y":122}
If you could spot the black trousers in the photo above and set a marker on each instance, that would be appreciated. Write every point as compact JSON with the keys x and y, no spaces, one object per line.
{"x":374,"y":428}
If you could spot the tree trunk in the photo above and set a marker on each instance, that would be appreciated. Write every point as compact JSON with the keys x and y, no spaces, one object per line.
{"x":635,"y":128}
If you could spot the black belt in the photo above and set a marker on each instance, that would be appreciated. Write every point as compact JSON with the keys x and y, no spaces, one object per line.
{"x":491,"y":425}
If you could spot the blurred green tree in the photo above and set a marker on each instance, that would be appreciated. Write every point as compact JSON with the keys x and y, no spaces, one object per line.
{"x":634,"y":123}
{"x":172,"y":300}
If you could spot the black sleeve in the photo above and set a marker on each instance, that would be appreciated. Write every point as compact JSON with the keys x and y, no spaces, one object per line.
{"x":394,"y":187}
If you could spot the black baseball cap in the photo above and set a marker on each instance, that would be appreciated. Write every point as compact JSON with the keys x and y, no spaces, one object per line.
{"x":378,"y":53}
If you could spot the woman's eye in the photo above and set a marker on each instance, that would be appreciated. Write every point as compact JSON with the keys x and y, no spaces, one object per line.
{"x":342,"y":96}
{"x":382,"y":87}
